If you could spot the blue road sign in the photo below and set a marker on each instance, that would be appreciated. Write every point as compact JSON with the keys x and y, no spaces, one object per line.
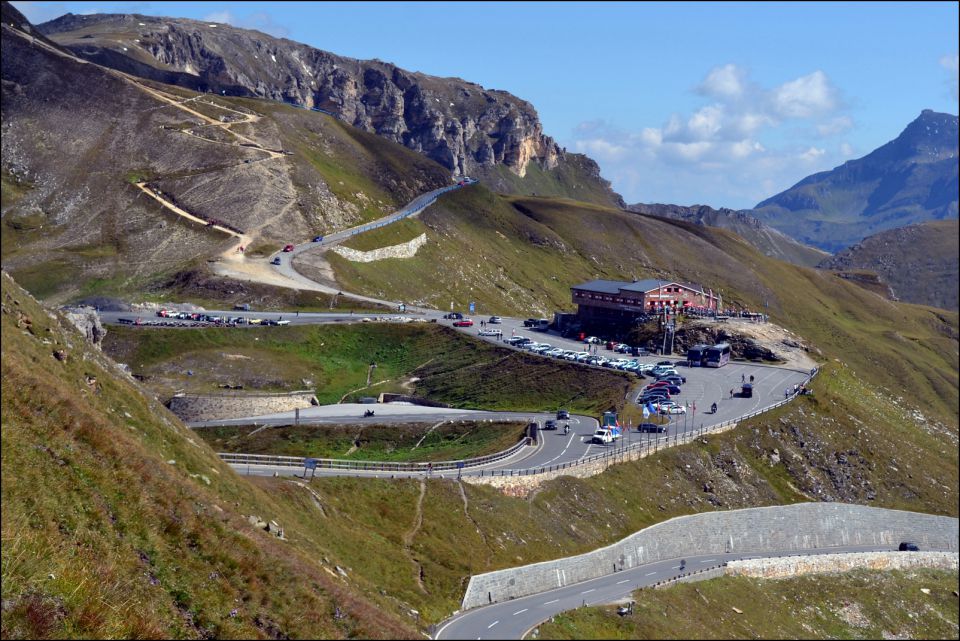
{"x":459,"y":465}
{"x":310,"y":464}
{"x":473,"y":307}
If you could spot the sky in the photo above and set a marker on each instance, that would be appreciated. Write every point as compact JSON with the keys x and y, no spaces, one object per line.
{"x":721,"y":104}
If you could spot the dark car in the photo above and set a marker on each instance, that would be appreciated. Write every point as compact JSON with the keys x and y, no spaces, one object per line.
{"x":275,"y":261}
{"x":454,"y":315}
{"x":909,"y":546}
{"x":652,"y":398}
{"x":563,"y":414}
{"x":665,"y":363}
{"x":550,"y":425}
{"x":673,"y":378}
{"x":530,"y":322}
{"x":318,"y":239}
{"x":651,"y":428}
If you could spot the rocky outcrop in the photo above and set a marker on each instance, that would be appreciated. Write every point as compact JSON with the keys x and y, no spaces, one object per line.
{"x":457,"y":123}
{"x":88,"y":322}
{"x":193,"y":408}
{"x":791,"y":566}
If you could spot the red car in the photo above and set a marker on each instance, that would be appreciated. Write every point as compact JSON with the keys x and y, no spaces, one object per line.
{"x":466,"y":322}
{"x":288,"y":248}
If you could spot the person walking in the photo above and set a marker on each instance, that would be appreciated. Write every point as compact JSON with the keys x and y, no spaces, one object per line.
{"x":743,"y":378}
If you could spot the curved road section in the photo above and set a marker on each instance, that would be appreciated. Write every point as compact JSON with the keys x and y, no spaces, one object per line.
{"x":287,"y":269}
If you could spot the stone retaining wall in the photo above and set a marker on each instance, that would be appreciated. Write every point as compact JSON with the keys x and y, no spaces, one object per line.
{"x":790,"y":566}
{"x":764,"y":529}
{"x":192,"y":408}
{"x":403,"y":250}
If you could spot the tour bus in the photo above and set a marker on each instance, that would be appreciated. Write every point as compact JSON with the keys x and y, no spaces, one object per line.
{"x":696,"y":355}
{"x":718,"y":355}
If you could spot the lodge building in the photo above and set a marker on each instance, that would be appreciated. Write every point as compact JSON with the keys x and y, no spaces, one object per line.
{"x":623,"y":303}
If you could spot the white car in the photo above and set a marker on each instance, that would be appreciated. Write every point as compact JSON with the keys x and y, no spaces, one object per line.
{"x":601,"y":360}
{"x":602,"y":436}
{"x":673,"y":409}
{"x":620,"y":363}
{"x":582,"y":356}
{"x":569,"y":355}
{"x":543,"y":348}
{"x":556,"y":352}
{"x":490,"y":332}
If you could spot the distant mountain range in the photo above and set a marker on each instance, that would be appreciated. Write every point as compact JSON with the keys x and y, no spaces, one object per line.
{"x":918,"y":262}
{"x":768,"y":240}
{"x":909,"y":180}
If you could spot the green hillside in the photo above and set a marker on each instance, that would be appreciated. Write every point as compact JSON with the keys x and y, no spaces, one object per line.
{"x":854,"y":605}
{"x":118,"y":523}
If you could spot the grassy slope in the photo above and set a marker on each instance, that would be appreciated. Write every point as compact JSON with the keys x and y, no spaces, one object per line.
{"x":402,"y":231}
{"x":521,"y":255}
{"x":454,"y":369}
{"x":441,"y":442}
{"x":116,"y":523}
{"x":854,"y":605}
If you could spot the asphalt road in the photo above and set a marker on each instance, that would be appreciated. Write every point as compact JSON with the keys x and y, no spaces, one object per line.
{"x":512,"y":619}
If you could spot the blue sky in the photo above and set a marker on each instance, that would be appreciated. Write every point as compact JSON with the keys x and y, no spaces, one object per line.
{"x":722,"y":104}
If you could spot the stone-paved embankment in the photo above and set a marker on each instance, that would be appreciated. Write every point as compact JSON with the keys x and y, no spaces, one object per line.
{"x":192,"y":408}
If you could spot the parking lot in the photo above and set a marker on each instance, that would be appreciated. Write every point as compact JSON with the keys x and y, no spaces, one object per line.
{"x":704,"y":385}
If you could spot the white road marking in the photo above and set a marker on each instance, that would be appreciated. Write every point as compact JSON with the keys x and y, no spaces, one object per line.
{"x":650,"y":573}
{"x":493,"y":624}
{"x":707,"y":560}
{"x":549,"y":602}
{"x":520,"y":611}
{"x":624,"y":581}
{"x":588,"y":591}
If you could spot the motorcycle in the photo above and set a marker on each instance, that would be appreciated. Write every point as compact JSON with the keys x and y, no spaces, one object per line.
{"x":683,"y":564}
{"x":566,"y":429}
{"x":713,"y":408}
{"x":368,"y":413}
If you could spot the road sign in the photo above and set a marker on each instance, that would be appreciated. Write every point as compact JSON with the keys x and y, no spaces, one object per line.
{"x":473,"y":307}
{"x":459,"y":465}
{"x":310,"y":464}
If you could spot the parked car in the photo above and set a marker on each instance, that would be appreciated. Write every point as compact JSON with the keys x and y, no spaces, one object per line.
{"x":651,"y":428}
{"x":602,"y":436}
{"x":563,"y":415}
{"x":453,"y":316}
{"x":465,"y":322}
{"x":515,"y":340}
{"x":495,"y":320}
{"x":592,"y":340}
{"x":288,"y":248}
{"x":653,"y":396}
{"x":556,"y":352}
{"x":676,"y":379}
{"x":275,"y":261}
{"x":530,"y":322}
{"x":582,"y":356}
{"x":909,"y":546}
{"x":668,"y":363}
{"x":673,"y":409}
{"x":490,"y":332}
{"x":318,"y":239}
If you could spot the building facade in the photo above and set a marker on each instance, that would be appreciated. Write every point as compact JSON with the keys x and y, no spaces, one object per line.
{"x":612,"y":302}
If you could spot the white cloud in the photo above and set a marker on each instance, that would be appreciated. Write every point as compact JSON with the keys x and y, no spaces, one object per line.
{"x":804,"y":97}
{"x":727,"y":81}
{"x":600,"y":149}
{"x":223,"y":17}
{"x":735,"y":146}
{"x":952,"y":65}
{"x":812,"y":154}
{"x":835,"y":126}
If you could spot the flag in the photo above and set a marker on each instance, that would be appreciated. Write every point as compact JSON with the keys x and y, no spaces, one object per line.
{"x":646,"y":412}
{"x":650,"y":408}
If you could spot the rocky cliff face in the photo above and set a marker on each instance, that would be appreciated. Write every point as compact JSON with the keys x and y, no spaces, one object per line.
{"x":457,"y":123}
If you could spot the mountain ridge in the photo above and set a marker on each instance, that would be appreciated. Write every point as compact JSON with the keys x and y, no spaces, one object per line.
{"x":911,"y":179}
{"x":466,"y":128}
